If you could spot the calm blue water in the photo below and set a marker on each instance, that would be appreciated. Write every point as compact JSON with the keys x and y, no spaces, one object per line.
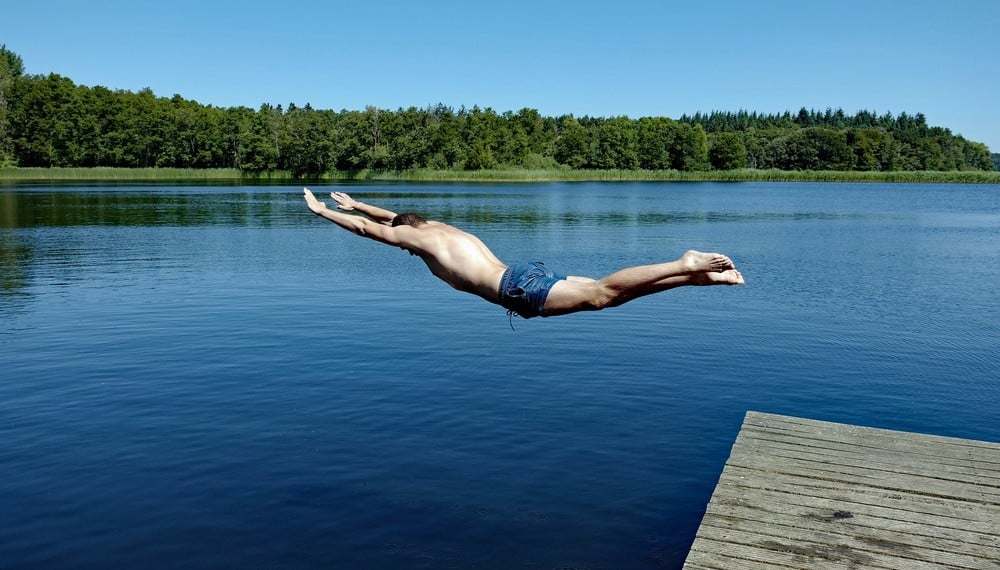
{"x":199,"y":377}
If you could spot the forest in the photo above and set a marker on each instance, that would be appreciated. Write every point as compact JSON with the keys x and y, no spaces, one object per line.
{"x":49,"y":121}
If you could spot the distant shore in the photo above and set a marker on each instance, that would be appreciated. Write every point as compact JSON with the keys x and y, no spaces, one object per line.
{"x":191,"y":175}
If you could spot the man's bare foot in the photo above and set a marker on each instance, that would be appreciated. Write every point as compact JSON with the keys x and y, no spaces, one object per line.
{"x":728,"y":277}
{"x":698,"y":262}
{"x":315,"y":205}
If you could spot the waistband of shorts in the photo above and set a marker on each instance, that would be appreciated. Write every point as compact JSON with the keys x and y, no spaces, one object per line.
{"x":508,"y":274}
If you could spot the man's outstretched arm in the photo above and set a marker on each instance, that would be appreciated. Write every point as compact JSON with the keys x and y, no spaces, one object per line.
{"x":348,"y":204}
{"x":355,"y":224}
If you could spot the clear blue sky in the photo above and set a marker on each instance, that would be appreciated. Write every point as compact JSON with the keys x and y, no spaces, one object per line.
{"x":628,"y":57}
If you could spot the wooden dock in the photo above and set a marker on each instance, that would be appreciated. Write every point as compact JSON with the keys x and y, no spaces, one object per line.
{"x":801,"y":493}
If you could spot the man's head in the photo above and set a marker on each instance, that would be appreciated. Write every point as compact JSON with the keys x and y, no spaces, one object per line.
{"x":408,"y":219}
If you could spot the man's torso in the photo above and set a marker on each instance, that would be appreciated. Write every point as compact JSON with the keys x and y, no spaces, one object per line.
{"x":460,"y":259}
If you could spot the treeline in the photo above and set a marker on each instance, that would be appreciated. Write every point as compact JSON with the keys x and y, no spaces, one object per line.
{"x":48,"y":121}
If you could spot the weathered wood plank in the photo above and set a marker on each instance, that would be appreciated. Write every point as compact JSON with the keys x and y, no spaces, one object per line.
{"x":818,"y":511}
{"x":806,"y":552}
{"x":949,"y":455}
{"x":885,"y":450}
{"x":831,"y":431}
{"x":864,"y":543}
{"x":963,"y":464}
{"x":902,"y":499}
{"x":798,"y":494}
{"x":946,"y":488}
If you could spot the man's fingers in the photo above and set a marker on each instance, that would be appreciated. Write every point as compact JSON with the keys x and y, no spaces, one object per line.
{"x":343,"y":201}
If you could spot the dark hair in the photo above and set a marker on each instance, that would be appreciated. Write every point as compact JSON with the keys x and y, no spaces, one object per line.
{"x":408,"y":219}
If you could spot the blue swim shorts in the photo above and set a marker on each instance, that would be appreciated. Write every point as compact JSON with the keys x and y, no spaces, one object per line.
{"x":525,"y":286}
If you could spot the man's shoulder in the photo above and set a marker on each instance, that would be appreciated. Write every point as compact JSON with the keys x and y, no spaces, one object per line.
{"x":441,"y":227}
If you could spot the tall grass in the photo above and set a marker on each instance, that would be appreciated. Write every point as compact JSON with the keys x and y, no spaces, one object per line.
{"x":103,"y":174}
{"x":744,"y":175}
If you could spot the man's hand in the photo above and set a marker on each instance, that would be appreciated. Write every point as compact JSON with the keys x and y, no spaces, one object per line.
{"x":348,"y":204}
{"x":315,"y":205}
{"x":344,"y":202}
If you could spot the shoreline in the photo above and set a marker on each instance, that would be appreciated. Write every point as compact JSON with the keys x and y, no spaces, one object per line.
{"x":13,"y":175}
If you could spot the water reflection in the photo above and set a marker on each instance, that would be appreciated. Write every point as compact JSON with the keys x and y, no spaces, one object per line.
{"x":15,"y":259}
{"x":114,"y":208}
{"x":197,"y":207}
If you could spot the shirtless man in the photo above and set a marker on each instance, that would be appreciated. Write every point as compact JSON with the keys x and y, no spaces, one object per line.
{"x":463,"y":261}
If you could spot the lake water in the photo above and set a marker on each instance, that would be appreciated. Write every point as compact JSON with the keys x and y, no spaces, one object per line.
{"x":204,"y":377}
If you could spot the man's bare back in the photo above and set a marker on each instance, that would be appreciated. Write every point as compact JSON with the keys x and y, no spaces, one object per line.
{"x":458,"y":258}
{"x":463,"y":261}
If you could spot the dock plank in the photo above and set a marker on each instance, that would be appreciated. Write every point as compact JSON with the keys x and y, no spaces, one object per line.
{"x":804,"y":494}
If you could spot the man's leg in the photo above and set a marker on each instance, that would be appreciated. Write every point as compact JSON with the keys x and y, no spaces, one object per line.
{"x":693,"y":268}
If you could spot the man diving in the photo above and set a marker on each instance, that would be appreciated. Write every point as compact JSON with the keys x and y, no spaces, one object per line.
{"x":463,"y":261}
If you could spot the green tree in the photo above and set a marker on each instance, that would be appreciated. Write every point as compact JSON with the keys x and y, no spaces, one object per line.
{"x":377,"y":151}
{"x":480,"y":156}
{"x":88,"y":127}
{"x":571,"y":146}
{"x":349,"y":147}
{"x":615,"y":144}
{"x":756,"y":142}
{"x":976,"y":156}
{"x":728,"y":151}
{"x":812,"y":148}
{"x":11,"y":70}
{"x":691,"y":149}
{"x":656,"y":142}
{"x":43,"y":121}
{"x":308,"y":147}
{"x":444,"y":134}
{"x":235,"y":125}
{"x":258,"y":137}
{"x":513,"y":143}
{"x":872,"y":149}
{"x":539,"y":131}
{"x":483,"y":132}
{"x":407,"y":139}
{"x":108,"y":105}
